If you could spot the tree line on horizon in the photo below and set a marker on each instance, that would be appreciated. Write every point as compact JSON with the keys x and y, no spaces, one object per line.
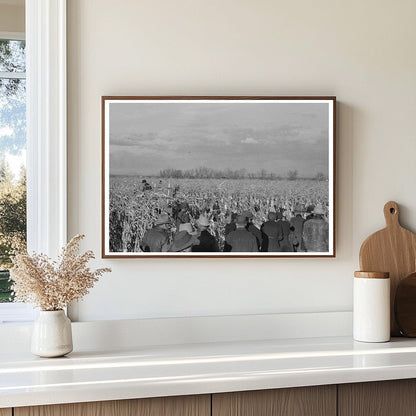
{"x":209,"y":173}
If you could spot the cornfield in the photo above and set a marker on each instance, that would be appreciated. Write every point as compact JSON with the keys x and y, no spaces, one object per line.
{"x":133,"y":211}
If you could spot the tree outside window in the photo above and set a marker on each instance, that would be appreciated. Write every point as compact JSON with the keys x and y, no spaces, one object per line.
{"x":12,"y":156}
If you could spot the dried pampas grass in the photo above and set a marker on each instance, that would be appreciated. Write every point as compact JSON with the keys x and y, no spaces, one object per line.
{"x":53,"y":285}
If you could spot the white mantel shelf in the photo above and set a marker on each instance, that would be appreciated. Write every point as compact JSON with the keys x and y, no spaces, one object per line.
{"x":151,"y":371}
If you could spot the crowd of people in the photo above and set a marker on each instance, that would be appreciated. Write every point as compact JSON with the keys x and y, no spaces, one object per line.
{"x":302,"y":230}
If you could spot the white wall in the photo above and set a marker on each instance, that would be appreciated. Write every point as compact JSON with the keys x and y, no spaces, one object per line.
{"x":361,"y":51}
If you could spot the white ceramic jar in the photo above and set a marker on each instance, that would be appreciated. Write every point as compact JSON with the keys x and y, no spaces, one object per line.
{"x":52,"y":334}
{"x":371,"y":309}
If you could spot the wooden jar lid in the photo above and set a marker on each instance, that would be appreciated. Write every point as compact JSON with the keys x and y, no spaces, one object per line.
{"x":372,"y":275}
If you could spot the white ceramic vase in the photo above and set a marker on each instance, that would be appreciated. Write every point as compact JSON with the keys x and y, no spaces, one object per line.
{"x":52,"y":334}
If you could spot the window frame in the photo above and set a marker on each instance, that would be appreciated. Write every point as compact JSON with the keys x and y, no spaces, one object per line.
{"x":46,"y":125}
{"x":46,"y":137}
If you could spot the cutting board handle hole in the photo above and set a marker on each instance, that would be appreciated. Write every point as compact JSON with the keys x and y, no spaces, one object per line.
{"x":391,"y":214}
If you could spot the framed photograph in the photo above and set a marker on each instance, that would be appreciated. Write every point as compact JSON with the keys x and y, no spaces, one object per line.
{"x":218,"y":177}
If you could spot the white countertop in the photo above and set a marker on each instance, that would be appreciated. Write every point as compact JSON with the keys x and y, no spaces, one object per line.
{"x":151,"y":371}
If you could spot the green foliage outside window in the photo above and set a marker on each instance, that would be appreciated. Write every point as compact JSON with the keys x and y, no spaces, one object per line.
{"x":12,"y":147}
{"x":12,"y":223}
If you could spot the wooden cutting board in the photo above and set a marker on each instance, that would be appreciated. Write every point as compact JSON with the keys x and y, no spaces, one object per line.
{"x":405,"y":305}
{"x":393,"y":250}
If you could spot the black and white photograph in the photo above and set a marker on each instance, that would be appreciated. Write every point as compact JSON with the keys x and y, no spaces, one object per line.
{"x":218,"y":176}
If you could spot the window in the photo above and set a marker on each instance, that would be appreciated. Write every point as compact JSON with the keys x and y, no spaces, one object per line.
{"x":12,"y":155}
{"x":12,"y":166}
{"x":46,"y":134}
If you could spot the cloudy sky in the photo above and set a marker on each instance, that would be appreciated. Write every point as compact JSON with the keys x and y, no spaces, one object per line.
{"x":148,"y":137}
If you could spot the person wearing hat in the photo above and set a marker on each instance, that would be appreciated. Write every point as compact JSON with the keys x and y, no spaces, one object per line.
{"x":182,"y":242}
{"x":145,"y":186}
{"x":207,"y":242}
{"x":253,"y":229}
{"x":296,"y":225}
{"x":309,"y":211}
{"x":229,"y":227}
{"x":316,"y":231}
{"x":187,"y":226}
{"x":284,"y":244}
{"x":156,"y":239}
{"x":182,"y":215}
{"x":272,"y":233}
{"x":241,"y":240}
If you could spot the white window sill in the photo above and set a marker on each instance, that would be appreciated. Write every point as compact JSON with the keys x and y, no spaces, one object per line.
{"x":16,"y":313}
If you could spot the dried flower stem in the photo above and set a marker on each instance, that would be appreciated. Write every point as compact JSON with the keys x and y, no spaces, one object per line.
{"x":53,"y":285}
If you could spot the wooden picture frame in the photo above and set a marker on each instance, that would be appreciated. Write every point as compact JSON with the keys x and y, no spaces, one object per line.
{"x":190,"y":169}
